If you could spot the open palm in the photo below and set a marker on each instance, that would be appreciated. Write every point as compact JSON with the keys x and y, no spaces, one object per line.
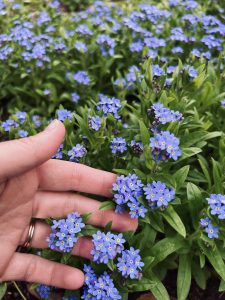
{"x":32,"y":185}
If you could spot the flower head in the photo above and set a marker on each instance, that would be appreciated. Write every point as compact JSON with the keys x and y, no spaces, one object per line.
{"x":95,"y":123}
{"x":165,"y":146}
{"x":77,"y":152}
{"x":130,"y":264}
{"x":44,"y":291}
{"x":127,"y":190}
{"x":64,"y":114}
{"x":99,"y":287}
{"x":118,"y":145}
{"x":106,"y":246}
{"x":158,"y":194}
{"x":109,"y":105}
{"x":64,"y":232}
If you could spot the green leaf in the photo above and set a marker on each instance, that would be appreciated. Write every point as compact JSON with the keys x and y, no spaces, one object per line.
{"x":86,"y":217}
{"x":222,"y":286}
{"x":165,"y":247}
{"x":215,"y":259}
{"x":205,"y":169}
{"x":88,"y":230}
{"x":108,"y":226}
{"x":199,"y":275}
{"x":195,"y":202}
{"x":106,"y":205}
{"x":180,"y":176}
{"x":174,"y":220}
{"x":3,"y":289}
{"x":159,"y":290}
{"x":184,"y":276}
{"x":145,"y":135}
{"x":145,"y":284}
{"x":121,"y":171}
{"x":188,"y":152}
{"x":217,"y":176}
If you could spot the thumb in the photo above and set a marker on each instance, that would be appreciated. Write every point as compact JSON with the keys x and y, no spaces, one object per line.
{"x":19,"y":156}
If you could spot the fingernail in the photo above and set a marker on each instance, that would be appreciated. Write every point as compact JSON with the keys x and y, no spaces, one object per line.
{"x":52,"y":125}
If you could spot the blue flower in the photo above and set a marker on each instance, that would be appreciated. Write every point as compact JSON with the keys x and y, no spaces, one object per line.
{"x":108,"y":44}
{"x":99,"y":288}
{"x":136,"y":46}
{"x":64,"y":232}
{"x":217,"y":205}
{"x":75,"y":97}
{"x":158,"y":194}
{"x":157,"y":71}
{"x":8,"y":124}
{"x":130,"y":264}
{"x":83,"y":30}
{"x":80,"y":46}
{"x":223,"y":103}
{"x":127,"y":190}
{"x":81,"y":77}
{"x":106,"y":246}
{"x":77,"y":152}
{"x":22,"y":116}
{"x":95,"y":123}
{"x":64,"y":114}
{"x":59,"y":153}
{"x":118,"y":145}
{"x":23,"y":133}
{"x":37,"y":120}
{"x":44,"y":291}
{"x":109,"y":106}
{"x":164,"y":115}
{"x":212,"y":231}
{"x":165,"y":146}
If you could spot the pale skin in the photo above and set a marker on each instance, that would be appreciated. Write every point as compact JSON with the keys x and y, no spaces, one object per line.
{"x":34,"y":185}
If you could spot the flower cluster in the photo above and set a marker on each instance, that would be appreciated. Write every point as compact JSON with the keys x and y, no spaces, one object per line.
{"x":8,"y":124}
{"x":106,"y":246}
{"x":165,"y":146}
{"x":223,"y":103}
{"x":44,"y":291}
{"x":127,"y":190}
{"x":64,"y":232}
{"x":59,"y":153}
{"x":164,"y":115}
{"x":118,"y":145}
{"x":64,"y":114}
{"x":212,"y":231}
{"x":109,"y":106}
{"x":77,"y":152}
{"x":95,"y":123}
{"x":130,"y":264}
{"x":99,"y":287}
{"x":158,"y":194}
{"x":217,"y":205}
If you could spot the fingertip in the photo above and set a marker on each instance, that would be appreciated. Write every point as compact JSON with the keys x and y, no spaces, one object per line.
{"x":74,"y":279}
{"x":126,"y":223}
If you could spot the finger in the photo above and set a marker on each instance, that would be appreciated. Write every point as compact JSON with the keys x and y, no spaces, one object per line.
{"x":59,"y":204}
{"x":24,"y":154}
{"x":42,"y":231}
{"x":56,"y":175}
{"x":31,"y":268}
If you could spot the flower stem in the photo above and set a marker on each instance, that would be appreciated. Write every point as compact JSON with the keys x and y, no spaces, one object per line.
{"x":19,"y":291}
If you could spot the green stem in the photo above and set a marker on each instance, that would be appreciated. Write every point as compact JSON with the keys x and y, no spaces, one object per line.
{"x":19,"y":291}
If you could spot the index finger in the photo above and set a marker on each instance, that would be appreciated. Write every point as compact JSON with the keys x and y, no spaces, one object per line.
{"x":58,"y":175}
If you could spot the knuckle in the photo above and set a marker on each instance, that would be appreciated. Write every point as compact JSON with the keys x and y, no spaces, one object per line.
{"x":30,"y":270}
{"x":50,"y":275}
{"x":76,"y":177}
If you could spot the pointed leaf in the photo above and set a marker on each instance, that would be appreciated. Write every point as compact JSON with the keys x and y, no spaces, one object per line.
{"x":174,"y":220}
{"x":184,"y":276}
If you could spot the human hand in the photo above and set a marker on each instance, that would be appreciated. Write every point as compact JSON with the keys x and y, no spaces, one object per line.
{"x":32,"y":185}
